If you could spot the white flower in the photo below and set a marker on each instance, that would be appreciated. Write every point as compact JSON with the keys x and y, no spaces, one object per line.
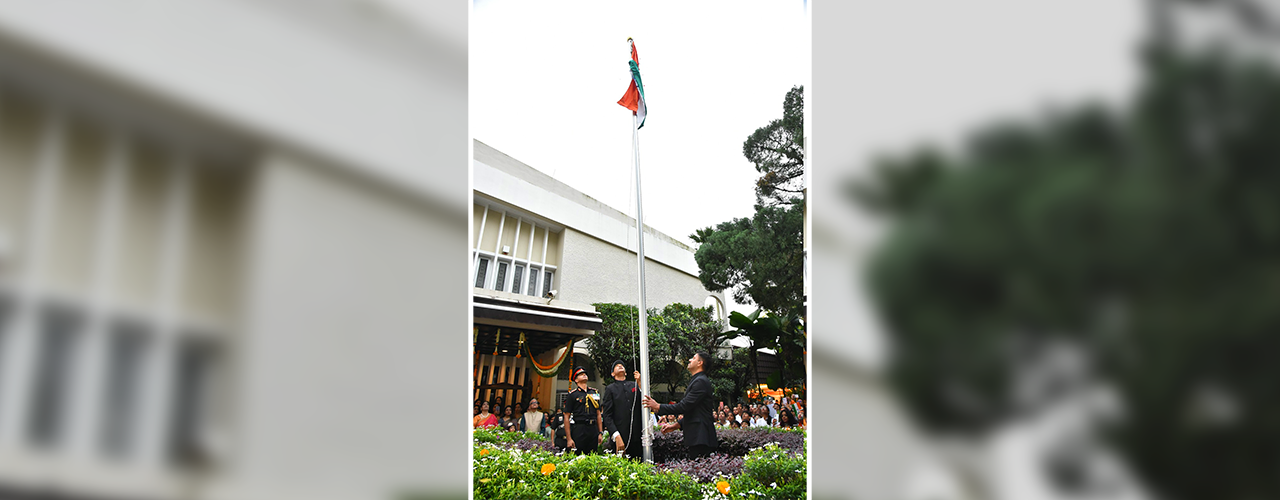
{"x":771,"y":485}
{"x":602,"y":477}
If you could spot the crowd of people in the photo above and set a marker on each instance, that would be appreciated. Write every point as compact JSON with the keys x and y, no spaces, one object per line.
{"x":589,"y":420}
{"x":787,"y":413}
{"x":516,"y":418}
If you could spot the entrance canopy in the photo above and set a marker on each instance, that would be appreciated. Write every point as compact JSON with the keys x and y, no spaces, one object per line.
{"x":508,"y":342}
{"x":499,"y":323}
{"x":534,"y":315}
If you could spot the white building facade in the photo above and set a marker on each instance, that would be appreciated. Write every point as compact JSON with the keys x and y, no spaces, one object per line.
{"x":556,"y":238}
{"x":218,"y":231}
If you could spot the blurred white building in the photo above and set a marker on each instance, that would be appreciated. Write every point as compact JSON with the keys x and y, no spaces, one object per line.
{"x":534,"y":235}
{"x":217,"y":227}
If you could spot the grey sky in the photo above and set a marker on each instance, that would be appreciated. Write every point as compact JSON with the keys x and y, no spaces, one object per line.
{"x":546,"y":78}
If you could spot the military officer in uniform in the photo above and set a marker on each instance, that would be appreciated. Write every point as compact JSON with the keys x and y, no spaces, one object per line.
{"x":582,"y":423}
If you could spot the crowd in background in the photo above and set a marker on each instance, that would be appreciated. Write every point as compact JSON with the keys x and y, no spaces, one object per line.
{"x":515,"y":417}
{"x":787,"y":413}
{"x":518,"y":417}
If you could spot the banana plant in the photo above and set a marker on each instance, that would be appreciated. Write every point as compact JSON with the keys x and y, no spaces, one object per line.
{"x":780,"y":333}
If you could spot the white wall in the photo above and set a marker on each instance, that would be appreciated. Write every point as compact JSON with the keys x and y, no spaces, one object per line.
{"x":338,"y":382}
{"x":506,"y":179}
{"x":341,"y":80}
{"x":882,"y":455}
{"x":595,"y":271}
{"x":598,"y":260}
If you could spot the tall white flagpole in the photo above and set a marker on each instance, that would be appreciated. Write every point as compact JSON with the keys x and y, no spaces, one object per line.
{"x":647,"y":438}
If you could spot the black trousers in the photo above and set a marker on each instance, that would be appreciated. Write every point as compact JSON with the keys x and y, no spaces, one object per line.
{"x":586,"y":437}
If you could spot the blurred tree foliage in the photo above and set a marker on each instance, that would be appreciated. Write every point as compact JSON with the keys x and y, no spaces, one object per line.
{"x":1146,"y":238}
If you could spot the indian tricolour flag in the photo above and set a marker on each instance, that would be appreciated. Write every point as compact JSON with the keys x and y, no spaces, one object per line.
{"x":634,"y":98}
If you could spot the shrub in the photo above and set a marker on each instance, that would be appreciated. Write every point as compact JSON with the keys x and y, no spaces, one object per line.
{"x":767,"y":473}
{"x":512,"y":473}
{"x":706,"y":469}
{"x":740,"y":442}
{"x":511,"y":465}
{"x":532,"y":444}
{"x":497,"y":435}
{"x":733,"y":442}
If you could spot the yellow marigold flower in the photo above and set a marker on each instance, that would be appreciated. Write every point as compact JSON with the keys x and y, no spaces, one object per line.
{"x":722,"y":487}
{"x":548,"y":468}
{"x":484,"y":451}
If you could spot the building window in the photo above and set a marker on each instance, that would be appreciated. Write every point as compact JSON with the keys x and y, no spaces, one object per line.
{"x":194,"y":364}
{"x":546,"y":283}
{"x":717,"y":309}
{"x":59,"y":332}
{"x":533,"y":281}
{"x":481,"y":270}
{"x":126,"y":343}
{"x":501,"y":283}
{"x":84,"y":372}
{"x":515,"y":288}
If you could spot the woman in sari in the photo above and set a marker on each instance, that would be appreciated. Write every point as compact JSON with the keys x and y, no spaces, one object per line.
{"x":484,"y":419}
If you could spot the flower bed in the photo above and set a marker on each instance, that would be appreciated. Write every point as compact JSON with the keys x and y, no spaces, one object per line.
{"x":521,"y":467}
{"x":705,"y":470}
{"x":733,"y":442}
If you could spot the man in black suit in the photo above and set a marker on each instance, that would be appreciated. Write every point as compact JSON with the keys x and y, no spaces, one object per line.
{"x":698,"y":426}
{"x":621,"y":412}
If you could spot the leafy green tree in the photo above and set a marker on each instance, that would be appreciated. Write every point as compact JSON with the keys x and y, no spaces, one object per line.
{"x":761,"y":258}
{"x":675,"y":333}
{"x":616,"y":339}
{"x":777,"y":151}
{"x":1147,"y":240}
{"x":687,"y":330}
{"x":731,"y":377}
